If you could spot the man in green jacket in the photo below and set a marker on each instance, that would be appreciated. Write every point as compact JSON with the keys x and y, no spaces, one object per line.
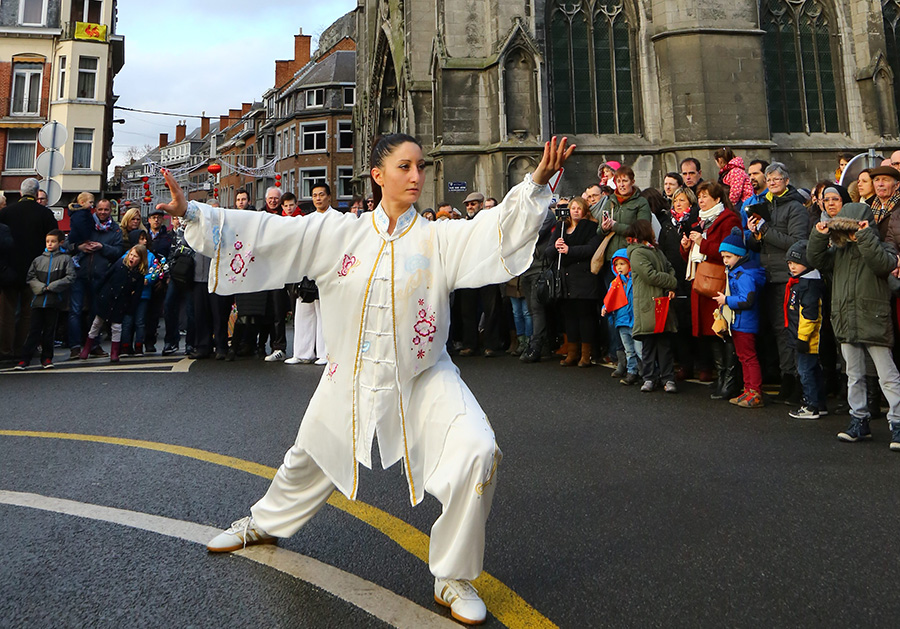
{"x":860,"y":310}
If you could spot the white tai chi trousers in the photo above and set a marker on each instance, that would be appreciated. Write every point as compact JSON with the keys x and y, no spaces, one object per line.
{"x":463,"y":481}
{"x":308,"y":340}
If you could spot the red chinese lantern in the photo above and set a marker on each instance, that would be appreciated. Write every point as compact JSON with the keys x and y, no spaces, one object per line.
{"x":147,"y":199}
{"x":145,"y":179}
{"x":277,"y":184}
{"x":165,"y":185}
{"x":216,"y":190}
{"x":277,"y":177}
{"x":214,"y":169}
{"x":146,"y":186}
{"x":127,"y":203}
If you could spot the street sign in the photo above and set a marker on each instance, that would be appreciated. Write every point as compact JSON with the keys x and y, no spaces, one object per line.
{"x":457,"y":186}
{"x":53,"y":190}
{"x":53,"y":135}
{"x":50,"y":163}
{"x":555,"y":179}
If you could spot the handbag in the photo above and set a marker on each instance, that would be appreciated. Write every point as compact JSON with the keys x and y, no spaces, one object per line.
{"x":549,"y":286}
{"x":597,"y":258}
{"x":709,"y":279}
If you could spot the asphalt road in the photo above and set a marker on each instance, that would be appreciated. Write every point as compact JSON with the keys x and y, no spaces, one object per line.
{"x":614,"y":508}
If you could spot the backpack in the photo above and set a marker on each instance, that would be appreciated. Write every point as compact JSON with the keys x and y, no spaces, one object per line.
{"x":181,"y":265}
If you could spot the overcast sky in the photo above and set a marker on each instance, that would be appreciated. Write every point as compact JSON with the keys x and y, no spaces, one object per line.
{"x":187,"y":57}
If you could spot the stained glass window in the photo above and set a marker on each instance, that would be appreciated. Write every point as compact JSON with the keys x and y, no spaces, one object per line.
{"x":591,"y":81}
{"x":799,"y":69}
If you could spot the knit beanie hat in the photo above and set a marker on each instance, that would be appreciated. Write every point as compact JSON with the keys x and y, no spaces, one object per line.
{"x":797,"y":253}
{"x":734,"y":243}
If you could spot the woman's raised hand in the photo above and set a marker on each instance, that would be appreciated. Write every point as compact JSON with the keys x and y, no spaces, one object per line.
{"x":178,"y":205}
{"x":553,"y":159}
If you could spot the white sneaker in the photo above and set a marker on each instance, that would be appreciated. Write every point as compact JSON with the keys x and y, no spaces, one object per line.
{"x":462,"y":599}
{"x":293,"y":360}
{"x":321,"y":361}
{"x":275,"y":356}
{"x":241,"y":533}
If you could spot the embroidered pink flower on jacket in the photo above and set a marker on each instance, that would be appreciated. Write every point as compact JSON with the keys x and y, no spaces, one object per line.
{"x":347,"y":264}
{"x":237,"y":264}
{"x":238,"y":245}
{"x":424,"y":330}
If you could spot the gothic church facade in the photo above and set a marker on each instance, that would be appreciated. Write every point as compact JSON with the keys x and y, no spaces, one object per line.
{"x":644,"y":82}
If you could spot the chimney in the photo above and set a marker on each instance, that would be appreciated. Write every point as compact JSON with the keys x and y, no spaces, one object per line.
{"x":204,"y":126}
{"x":163,"y":140}
{"x":283,"y":72}
{"x":245,"y":108}
{"x":180,"y":131}
{"x":224,"y":122}
{"x":301,"y":50}
{"x":235,"y":115}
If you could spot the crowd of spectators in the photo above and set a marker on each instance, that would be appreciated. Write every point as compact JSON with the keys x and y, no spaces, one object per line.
{"x":738,"y":280}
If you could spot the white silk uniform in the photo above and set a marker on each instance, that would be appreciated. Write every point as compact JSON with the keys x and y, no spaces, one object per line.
{"x":386,"y":317}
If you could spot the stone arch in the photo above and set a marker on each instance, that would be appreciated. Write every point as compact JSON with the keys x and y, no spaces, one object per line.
{"x":517,"y":167}
{"x":520,"y":102}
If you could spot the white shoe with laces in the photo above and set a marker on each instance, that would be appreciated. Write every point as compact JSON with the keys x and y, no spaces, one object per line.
{"x":462,"y":599}
{"x":241,"y":533}
{"x":275,"y":356}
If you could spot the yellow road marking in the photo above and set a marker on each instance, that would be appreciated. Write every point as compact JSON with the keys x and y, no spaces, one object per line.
{"x":506,"y":606}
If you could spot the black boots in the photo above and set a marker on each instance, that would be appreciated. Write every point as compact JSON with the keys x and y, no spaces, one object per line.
{"x":728,"y":382}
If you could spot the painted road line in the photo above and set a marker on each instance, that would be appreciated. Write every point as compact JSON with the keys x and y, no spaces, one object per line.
{"x":506,"y":606}
{"x":159,"y":366}
{"x":374,"y":599}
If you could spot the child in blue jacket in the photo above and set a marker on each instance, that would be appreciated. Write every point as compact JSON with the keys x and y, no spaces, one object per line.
{"x":741,"y":307}
{"x":619,"y":306}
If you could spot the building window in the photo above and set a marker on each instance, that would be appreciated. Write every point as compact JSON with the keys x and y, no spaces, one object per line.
{"x":799,"y":69}
{"x":87,"y":11}
{"x":32,"y":12}
{"x":591,"y":73}
{"x":81,"y":148}
{"x":315,"y":98}
{"x":890,"y":9}
{"x":345,"y":135}
{"x":293,"y":140}
{"x":345,"y":178}
{"x":20,"y":149}
{"x":314,"y":135}
{"x":61,"y":88}
{"x":26,"y":88}
{"x":87,"y":77}
{"x":308,"y":178}
{"x":349,"y":96}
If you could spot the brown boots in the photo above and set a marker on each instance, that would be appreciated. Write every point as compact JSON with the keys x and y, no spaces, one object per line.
{"x":585,"y":355}
{"x":571,"y":355}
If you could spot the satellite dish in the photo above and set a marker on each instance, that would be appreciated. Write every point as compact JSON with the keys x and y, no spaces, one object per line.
{"x":50,"y":163}
{"x":53,"y":135}
{"x":53,"y":190}
{"x":857,"y":165}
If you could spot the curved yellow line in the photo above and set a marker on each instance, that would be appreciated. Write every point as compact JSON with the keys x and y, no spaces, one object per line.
{"x":506,"y":606}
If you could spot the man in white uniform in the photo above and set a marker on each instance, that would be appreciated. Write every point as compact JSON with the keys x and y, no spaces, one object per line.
{"x":309,"y":342}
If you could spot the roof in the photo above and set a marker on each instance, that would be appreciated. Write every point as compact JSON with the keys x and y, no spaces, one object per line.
{"x":337,"y":68}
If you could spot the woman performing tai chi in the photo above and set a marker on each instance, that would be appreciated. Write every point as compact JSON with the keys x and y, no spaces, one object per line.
{"x":384,"y":280}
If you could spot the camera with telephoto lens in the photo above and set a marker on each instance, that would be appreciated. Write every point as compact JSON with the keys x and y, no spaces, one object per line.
{"x":562,"y":209}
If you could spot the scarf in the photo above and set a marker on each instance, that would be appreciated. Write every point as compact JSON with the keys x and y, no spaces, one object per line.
{"x":792,"y":281}
{"x":695,"y":257}
{"x":882,"y":209}
{"x":622,"y":199}
{"x":712,"y":213}
{"x":103,"y":227}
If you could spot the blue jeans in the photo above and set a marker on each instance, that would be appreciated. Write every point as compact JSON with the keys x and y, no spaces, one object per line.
{"x":83,"y":288}
{"x":135,"y":323}
{"x":812,"y":380}
{"x":522,"y":316}
{"x":630,"y":350}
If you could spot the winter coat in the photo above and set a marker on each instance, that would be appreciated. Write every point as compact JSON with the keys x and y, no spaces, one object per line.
{"x":702,"y":307}
{"x":623,"y":317}
{"x":28,"y":222}
{"x":803,"y":307}
{"x":55,"y":272}
{"x":538,"y":259}
{"x":120,"y":292}
{"x":669,"y":240}
{"x":745,"y":281}
{"x":790,"y":223}
{"x":860,"y":297}
{"x":652,"y":276}
{"x":578,"y":281}
{"x":161,"y":245}
{"x":7,"y":270}
{"x":737,"y":180}
{"x":624,"y":214}
{"x":149,"y":278}
{"x":95,"y":266}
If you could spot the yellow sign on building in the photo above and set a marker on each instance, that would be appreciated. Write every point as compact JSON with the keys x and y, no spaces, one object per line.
{"x":94,"y":32}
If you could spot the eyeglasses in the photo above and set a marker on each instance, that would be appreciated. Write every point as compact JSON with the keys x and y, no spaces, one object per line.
{"x":774,"y":179}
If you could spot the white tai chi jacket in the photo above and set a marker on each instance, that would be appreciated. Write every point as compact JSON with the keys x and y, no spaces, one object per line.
{"x":386,"y":315}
